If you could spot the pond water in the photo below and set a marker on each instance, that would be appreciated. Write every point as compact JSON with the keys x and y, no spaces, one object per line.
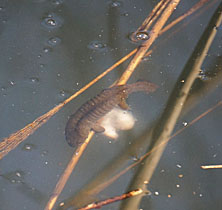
{"x":52,"y":48}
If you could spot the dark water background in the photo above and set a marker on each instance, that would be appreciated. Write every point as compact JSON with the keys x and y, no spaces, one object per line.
{"x":49,"y":50}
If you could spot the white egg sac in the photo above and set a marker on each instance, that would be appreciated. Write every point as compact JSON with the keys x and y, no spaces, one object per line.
{"x":117,"y":119}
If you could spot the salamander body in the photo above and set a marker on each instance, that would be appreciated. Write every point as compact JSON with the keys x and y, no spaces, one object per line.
{"x":86,"y":117}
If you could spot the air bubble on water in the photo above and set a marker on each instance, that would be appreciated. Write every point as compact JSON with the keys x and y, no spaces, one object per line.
{"x":18,"y":174}
{"x":156,"y":193}
{"x":52,"y":21}
{"x":42,"y":65}
{"x":202,"y":75}
{"x":54,"y":41}
{"x":142,"y":35}
{"x":125,"y":14}
{"x":147,"y":58}
{"x":57,"y":2}
{"x":134,"y":158}
{"x":179,"y":166}
{"x":185,"y":124}
{"x":115,"y":4}
{"x":44,"y":153}
{"x":64,"y":94}
{"x":47,"y":49}
{"x":34,"y":80}
{"x":139,"y":37}
{"x":97,"y":45}
{"x":28,"y":147}
{"x":15,"y":176}
{"x":12,"y":83}
{"x":3,"y":88}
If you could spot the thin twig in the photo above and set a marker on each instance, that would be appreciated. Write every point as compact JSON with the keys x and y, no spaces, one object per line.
{"x":211,"y":167}
{"x":99,"y":204}
{"x":193,"y":9}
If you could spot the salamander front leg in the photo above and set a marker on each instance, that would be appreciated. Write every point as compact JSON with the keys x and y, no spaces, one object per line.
{"x":123,"y":104}
{"x":98,"y":128}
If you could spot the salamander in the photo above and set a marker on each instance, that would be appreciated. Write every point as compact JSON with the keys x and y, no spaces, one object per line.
{"x":87,"y":116}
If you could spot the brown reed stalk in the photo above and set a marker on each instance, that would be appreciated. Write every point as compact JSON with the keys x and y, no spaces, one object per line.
{"x":150,"y":19}
{"x":211,"y":167}
{"x":146,"y":44}
{"x":66,"y":174}
{"x":112,"y":200}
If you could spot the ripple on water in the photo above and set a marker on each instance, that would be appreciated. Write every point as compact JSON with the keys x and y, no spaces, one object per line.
{"x":33,"y":80}
{"x":53,"y":41}
{"x":115,"y":4}
{"x":97,"y":45}
{"x":52,"y":21}
{"x":139,"y":37}
{"x":57,"y":2}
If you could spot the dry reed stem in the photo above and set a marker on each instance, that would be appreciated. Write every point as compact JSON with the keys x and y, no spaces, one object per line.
{"x":145,"y":46}
{"x":196,"y":7}
{"x":66,"y":174}
{"x":173,"y":109}
{"x":211,"y":167}
{"x":150,"y":19}
{"x":111,"y":200}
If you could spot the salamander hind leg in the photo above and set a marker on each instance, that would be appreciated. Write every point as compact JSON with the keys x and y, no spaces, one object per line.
{"x":98,"y":128}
